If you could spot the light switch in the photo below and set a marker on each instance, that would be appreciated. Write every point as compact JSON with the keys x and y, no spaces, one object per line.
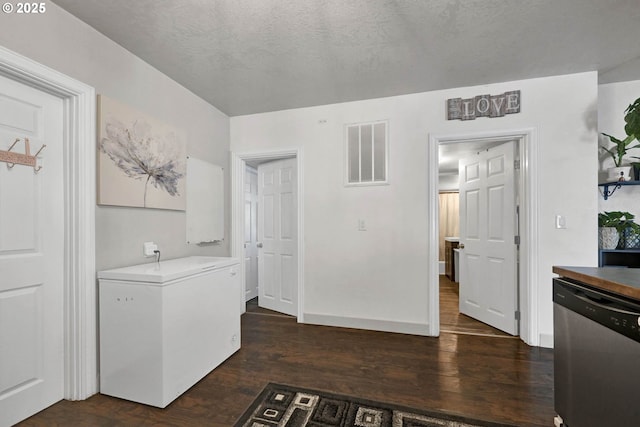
{"x":561,"y":221}
{"x":361,"y":225}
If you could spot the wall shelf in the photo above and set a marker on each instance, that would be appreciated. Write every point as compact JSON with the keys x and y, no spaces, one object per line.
{"x":619,"y":257}
{"x":606,"y":192}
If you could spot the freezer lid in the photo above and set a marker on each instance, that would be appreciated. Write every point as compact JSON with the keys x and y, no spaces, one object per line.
{"x":168,"y":270}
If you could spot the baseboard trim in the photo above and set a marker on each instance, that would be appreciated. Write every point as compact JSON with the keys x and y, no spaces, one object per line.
{"x":368,"y":324}
{"x":441,"y":267}
{"x":546,"y":340}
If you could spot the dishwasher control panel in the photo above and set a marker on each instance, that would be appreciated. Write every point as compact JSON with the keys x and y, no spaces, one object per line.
{"x":611,"y":311}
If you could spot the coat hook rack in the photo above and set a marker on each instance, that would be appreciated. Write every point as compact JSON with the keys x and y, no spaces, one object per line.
{"x":11,"y":158}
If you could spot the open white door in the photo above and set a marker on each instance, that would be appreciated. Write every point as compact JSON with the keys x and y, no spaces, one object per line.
{"x":277,"y":236}
{"x":250,"y":233}
{"x":31,"y":254}
{"x":488,"y":280}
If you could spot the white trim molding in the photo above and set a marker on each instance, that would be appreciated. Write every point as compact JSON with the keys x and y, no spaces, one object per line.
{"x":529,"y":220}
{"x":369,"y":324}
{"x":81,"y":373}
{"x":238,"y":163}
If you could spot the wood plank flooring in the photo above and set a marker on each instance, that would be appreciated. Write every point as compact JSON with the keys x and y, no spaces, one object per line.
{"x":450,"y":318}
{"x":495,"y":379}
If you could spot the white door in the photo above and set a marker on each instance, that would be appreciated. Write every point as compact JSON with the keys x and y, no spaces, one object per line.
{"x":31,"y":255}
{"x":488,"y":282}
{"x":250,"y":232}
{"x":277,"y":236}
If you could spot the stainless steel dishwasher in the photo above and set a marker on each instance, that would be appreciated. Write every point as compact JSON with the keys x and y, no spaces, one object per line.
{"x":596,"y":356}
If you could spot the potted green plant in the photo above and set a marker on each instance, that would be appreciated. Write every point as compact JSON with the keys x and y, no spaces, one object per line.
{"x":613,"y":225}
{"x":622,"y":146}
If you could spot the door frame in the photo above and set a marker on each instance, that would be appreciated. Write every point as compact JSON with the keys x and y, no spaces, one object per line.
{"x":529,"y":200}
{"x":238,"y":163}
{"x":79,"y":130}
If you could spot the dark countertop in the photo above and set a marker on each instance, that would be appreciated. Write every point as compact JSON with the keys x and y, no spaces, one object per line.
{"x":619,"y":280}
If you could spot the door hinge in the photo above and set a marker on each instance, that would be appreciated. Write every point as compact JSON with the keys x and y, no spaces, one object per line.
{"x":516,"y":240}
{"x":517,"y":315}
{"x":516,"y":164}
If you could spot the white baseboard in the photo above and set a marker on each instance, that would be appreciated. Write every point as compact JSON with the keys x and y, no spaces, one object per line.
{"x":369,"y":324}
{"x":546,"y":340}
{"x":441,"y":267}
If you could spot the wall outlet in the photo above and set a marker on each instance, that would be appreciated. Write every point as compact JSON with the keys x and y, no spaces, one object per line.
{"x":362,"y":226}
{"x":148,"y":248}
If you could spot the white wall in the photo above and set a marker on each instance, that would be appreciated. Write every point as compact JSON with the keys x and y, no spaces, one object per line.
{"x":613,"y":99}
{"x":380,"y":275}
{"x":62,"y":42}
{"x":626,"y":72}
{"x":377,"y":275}
{"x":448,"y":182}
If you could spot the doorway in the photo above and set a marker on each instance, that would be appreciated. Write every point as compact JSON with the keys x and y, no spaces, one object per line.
{"x":270,"y":233}
{"x":77,"y":154}
{"x":477,"y":208}
{"x":528,"y":218}
{"x":279,"y":261}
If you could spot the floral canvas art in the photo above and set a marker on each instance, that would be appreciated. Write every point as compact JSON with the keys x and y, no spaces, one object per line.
{"x":141,"y":161}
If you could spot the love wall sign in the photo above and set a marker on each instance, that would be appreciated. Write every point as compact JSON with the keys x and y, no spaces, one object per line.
{"x":483,"y":106}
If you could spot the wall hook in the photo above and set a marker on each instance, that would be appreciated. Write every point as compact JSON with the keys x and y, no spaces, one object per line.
{"x":11,"y":158}
{"x":14,"y":144}
{"x":11,"y":165}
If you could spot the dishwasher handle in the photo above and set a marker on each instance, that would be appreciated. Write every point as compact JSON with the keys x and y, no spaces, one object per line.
{"x":591,"y":301}
{"x":564,"y":289}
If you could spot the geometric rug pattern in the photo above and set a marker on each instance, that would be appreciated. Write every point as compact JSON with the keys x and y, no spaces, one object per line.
{"x":285,"y":406}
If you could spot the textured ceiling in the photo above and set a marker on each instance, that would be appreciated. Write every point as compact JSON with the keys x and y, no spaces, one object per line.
{"x":249,"y":56}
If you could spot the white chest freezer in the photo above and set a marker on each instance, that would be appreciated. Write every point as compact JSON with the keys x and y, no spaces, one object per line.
{"x":164,"y":326}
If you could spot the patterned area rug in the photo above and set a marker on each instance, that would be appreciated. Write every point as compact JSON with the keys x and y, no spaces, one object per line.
{"x":280,"y":405}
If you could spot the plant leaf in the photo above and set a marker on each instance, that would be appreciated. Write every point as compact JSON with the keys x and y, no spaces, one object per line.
{"x":632,"y":119}
{"x":612,"y":138}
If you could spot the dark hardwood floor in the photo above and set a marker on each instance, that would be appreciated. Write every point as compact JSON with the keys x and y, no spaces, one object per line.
{"x":494,"y":379}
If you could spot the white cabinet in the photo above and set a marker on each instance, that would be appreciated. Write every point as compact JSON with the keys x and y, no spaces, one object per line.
{"x":163,"y":327}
